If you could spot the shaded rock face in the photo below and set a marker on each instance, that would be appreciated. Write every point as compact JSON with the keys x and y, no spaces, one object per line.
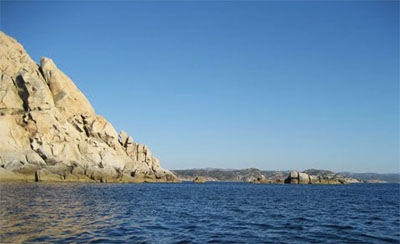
{"x":50,"y":132}
{"x":296,"y":177}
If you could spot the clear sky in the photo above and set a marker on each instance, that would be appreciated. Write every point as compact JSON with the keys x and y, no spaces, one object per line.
{"x":232,"y":84}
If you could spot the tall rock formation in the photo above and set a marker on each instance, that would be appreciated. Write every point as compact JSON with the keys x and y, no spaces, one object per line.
{"x":50,"y":132}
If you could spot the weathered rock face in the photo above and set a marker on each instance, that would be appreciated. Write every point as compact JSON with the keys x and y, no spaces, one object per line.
{"x":50,"y":132}
{"x":296,"y":177}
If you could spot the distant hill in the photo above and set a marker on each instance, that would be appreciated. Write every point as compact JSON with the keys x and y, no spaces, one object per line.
{"x":246,"y":175}
{"x":252,"y":174}
{"x":374,"y":177}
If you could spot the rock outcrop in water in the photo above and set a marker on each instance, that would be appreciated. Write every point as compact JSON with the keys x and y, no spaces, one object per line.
{"x":318,"y":177}
{"x":50,"y":132}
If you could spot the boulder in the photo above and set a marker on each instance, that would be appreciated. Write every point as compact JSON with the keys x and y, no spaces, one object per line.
{"x":304,"y":178}
{"x":259,"y":180}
{"x":314,"y":179}
{"x":296,"y":177}
{"x":293,"y":178}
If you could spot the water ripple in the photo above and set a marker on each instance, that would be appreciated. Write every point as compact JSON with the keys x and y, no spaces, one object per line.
{"x":192,"y":213}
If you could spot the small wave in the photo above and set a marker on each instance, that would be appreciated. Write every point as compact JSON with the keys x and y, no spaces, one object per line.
{"x":189,"y":213}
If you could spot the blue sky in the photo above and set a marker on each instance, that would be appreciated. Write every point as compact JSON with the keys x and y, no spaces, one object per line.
{"x":232,"y":84}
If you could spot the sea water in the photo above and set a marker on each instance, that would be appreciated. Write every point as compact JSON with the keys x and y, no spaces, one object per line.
{"x":199,"y":213}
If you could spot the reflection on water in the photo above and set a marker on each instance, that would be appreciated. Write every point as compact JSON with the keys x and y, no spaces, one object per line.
{"x":198,"y":213}
{"x":50,"y":212}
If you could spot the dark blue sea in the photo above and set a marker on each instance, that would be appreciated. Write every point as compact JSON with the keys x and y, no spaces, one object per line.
{"x":199,"y":213}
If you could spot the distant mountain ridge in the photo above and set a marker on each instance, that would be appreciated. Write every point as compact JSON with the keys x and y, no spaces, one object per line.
{"x":371,"y":177}
{"x":271,"y":176}
{"x":213,"y":174}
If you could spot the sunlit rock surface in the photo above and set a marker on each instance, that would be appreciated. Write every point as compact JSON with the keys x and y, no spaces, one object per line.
{"x":50,"y":132}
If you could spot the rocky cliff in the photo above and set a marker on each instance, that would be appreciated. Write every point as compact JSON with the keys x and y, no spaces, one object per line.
{"x":50,"y":132}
